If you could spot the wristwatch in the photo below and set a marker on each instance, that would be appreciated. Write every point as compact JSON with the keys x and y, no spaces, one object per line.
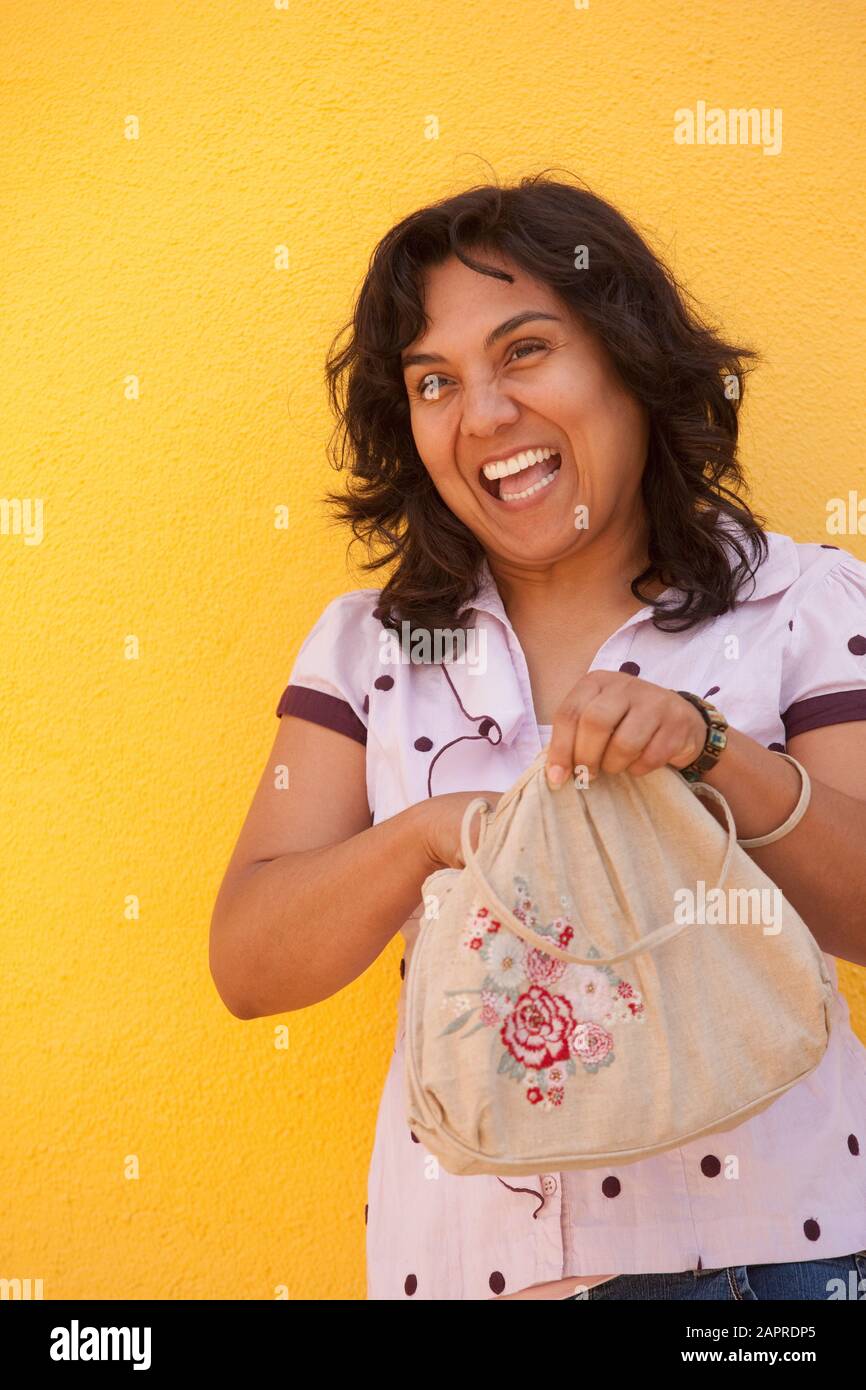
{"x":715,"y":742}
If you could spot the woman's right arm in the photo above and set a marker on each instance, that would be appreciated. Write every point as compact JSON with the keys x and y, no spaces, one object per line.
{"x":314,"y":892}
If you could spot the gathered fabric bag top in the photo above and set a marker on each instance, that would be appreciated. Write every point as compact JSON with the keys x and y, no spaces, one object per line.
{"x":610,"y":976}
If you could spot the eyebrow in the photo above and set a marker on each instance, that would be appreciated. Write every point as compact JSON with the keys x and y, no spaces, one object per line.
{"x":427,"y":359}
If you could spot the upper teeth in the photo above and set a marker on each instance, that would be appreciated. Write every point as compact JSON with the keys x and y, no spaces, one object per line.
{"x":516,"y":463}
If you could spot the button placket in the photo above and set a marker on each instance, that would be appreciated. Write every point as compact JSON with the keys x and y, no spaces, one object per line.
{"x":605,"y":657}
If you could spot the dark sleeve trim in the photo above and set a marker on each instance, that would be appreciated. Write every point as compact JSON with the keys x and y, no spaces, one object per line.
{"x":820,"y":710}
{"x":323,"y":709}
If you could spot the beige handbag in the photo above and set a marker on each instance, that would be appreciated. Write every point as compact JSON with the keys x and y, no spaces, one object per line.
{"x":579,"y":995}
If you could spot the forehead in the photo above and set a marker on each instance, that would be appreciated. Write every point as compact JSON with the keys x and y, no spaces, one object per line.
{"x":453,"y":294}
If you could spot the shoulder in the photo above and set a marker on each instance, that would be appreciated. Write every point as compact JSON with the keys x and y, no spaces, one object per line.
{"x":791,"y":571}
{"x":349,"y":619}
{"x":827,"y":586}
{"x":824,"y":657}
{"x":818,"y":561}
{"x":329,"y":678}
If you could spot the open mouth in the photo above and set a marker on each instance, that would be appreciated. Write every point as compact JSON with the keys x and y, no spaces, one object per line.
{"x":528,"y":482}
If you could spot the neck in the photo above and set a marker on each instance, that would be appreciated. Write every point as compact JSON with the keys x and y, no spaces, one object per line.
{"x":595,"y":580}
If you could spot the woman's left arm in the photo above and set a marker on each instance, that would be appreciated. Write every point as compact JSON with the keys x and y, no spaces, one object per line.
{"x":820,"y":865}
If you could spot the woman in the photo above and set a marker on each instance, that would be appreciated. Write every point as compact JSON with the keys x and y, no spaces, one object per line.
{"x":541,"y":437}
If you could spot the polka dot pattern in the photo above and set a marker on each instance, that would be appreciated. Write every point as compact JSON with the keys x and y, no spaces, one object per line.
{"x":432,"y":743}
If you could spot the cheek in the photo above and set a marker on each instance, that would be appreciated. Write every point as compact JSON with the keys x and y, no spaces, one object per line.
{"x":572,"y":399}
{"x":436,"y":448}
{"x":430,"y":444}
{"x":443,"y":473}
{"x":607,"y":426}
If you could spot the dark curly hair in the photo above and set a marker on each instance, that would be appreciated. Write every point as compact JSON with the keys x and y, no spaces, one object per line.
{"x":665,"y":353}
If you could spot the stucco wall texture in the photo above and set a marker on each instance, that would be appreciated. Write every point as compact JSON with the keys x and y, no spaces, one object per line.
{"x":162,"y":394}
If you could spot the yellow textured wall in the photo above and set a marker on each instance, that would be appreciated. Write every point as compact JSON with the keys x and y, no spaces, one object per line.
{"x":154,"y":260}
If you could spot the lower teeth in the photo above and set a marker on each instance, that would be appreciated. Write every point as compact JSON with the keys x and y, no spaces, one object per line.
{"x":536,"y":487}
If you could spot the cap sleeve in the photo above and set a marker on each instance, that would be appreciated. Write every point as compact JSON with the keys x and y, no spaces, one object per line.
{"x":824,"y":668}
{"x":327,"y":683}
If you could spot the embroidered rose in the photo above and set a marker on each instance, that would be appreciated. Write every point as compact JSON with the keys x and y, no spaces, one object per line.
{"x":590,"y":1042}
{"x":590,"y":993}
{"x":542,"y":968}
{"x":536,"y":1033}
{"x":550,"y":1014}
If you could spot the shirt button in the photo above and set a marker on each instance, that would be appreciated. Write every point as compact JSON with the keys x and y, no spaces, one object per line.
{"x":548,"y":1184}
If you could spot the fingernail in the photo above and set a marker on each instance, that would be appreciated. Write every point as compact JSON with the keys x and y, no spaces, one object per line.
{"x":556,"y":775}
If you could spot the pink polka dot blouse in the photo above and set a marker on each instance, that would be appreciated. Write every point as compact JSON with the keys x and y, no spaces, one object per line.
{"x":790,"y":1183}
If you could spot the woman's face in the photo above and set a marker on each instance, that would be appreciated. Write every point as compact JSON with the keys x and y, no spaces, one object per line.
{"x":546,"y":382}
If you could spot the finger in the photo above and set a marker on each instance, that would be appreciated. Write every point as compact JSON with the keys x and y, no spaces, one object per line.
{"x":669,"y":745}
{"x":560,"y":753}
{"x":629,"y":740}
{"x":597,"y":726}
{"x":692,"y":741}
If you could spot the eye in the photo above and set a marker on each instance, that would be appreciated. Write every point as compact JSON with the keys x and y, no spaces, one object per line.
{"x":427,"y":391}
{"x":535,"y":346}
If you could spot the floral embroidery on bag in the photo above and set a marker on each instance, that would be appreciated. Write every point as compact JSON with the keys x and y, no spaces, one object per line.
{"x":550,"y":1014}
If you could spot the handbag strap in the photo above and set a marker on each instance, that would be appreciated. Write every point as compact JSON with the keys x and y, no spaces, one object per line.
{"x":507,"y":917}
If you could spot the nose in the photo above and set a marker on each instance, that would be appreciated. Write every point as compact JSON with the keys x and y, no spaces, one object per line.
{"x":486,"y":407}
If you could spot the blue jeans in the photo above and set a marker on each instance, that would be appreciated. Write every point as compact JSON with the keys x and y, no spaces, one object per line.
{"x":841,"y":1277}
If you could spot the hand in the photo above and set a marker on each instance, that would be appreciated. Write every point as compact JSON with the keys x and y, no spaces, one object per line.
{"x":443,"y":817}
{"x":613,"y":722}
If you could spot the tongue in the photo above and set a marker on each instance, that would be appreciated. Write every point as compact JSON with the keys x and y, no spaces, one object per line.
{"x":519,"y":482}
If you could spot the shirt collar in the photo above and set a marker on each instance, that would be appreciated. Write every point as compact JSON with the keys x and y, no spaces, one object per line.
{"x":776,"y":572}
